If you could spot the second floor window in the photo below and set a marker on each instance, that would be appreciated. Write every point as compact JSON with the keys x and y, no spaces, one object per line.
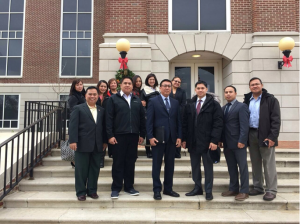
{"x":76,"y":49}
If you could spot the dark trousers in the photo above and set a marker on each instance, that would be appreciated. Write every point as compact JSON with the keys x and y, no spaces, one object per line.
{"x":124,"y":157}
{"x":87,"y":172}
{"x":196,"y":171}
{"x":234,"y":158}
{"x":148,"y":150}
{"x":178,"y":151}
{"x":159,"y":151}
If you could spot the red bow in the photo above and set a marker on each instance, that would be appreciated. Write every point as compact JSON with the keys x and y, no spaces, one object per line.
{"x":123,"y":63}
{"x":287,"y":61}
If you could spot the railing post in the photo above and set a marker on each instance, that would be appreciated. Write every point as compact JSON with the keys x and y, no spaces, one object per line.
{"x":32,"y":152}
{"x":25,"y":115}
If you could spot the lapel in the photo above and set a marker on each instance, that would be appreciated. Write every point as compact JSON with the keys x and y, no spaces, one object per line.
{"x":231,"y":109}
{"x":98,"y":114}
{"x":162,"y":103}
{"x":88,"y":112}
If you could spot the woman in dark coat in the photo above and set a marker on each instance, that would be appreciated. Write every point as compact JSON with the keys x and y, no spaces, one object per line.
{"x":149,"y":91}
{"x":180,"y":95}
{"x":112,"y":85}
{"x":76,"y":97}
{"x":137,"y":85}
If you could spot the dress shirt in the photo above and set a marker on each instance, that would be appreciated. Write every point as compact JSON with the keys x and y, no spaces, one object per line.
{"x":254,"y":108}
{"x":163,"y":98}
{"x":198,"y":100}
{"x":127,"y":98}
{"x":231,"y":103}
{"x":93,"y":111}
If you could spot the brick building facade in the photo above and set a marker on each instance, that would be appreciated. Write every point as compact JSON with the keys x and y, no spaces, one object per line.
{"x":236,"y":39}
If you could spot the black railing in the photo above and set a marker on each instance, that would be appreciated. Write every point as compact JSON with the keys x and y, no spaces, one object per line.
{"x":23,"y":151}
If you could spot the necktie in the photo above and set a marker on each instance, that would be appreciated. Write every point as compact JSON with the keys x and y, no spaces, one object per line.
{"x":227,"y":109}
{"x":199,"y":106}
{"x":167,"y":104}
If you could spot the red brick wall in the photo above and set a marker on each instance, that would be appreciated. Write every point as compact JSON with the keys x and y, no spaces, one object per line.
{"x":42,"y":42}
{"x":297,"y":14}
{"x":126,"y":16}
{"x":157,"y":16}
{"x":241,"y":16}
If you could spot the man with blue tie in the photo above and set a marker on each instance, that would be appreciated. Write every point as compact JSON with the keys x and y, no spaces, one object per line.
{"x":163,"y":113}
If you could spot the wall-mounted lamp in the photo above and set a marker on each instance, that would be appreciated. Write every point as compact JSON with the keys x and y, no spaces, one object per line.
{"x":286,"y":44}
{"x":123,"y":47}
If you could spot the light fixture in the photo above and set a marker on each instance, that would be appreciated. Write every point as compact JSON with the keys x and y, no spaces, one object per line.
{"x":286,"y":44}
{"x":123,"y":46}
{"x":196,"y":56}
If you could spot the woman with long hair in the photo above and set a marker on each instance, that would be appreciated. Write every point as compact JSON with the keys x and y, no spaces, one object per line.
{"x":112,"y":85}
{"x":149,"y":91}
{"x":137,"y":85}
{"x":102,"y":86}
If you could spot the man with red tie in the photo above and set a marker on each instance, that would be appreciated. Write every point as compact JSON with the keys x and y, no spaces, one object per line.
{"x":202,"y":130}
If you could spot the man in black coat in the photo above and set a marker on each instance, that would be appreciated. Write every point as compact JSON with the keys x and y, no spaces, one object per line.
{"x":88,"y":139}
{"x":235,"y":137}
{"x":125,"y":127}
{"x":263,"y":137}
{"x":202,"y":130}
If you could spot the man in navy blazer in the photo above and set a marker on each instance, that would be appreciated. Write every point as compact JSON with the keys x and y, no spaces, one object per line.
{"x":164,"y":111}
{"x":235,"y":137}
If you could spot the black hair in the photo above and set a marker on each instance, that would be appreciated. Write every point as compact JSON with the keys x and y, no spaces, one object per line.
{"x":126,"y":77}
{"x":134,"y":79}
{"x":92,"y":87}
{"x":74,"y":83}
{"x":201,"y":82}
{"x":147,"y":79}
{"x":165,"y":80}
{"x":231,"y":87}
{"x":99,"y":83}
{"x":254,"y":78}
{"x":176,"y":77}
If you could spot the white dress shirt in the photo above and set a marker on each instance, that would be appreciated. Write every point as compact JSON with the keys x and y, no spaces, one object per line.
{"x":127,"y":98}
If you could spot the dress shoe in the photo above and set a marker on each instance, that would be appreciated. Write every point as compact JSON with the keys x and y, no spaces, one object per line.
{"x":254,"y":192}
{"x":229,"y":193}
{"x":102,"y":162}
{"x":93,"y":196}
{"x":157,"y":196}
{"x":195,"y":192}
{"x":172,"y":194}
{"x":241,"y":197}
{"x":133,"y":192}
{"x":81,"y":198}
{"x":209,"y":196}
{"x":72,"y":164}
{"x":178,"y":156}
{"x":269,"y":196}
{"x":149,"y":155}
{"x":114,"y":195}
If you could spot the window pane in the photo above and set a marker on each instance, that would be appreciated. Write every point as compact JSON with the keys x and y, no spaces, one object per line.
{"x":16,"y":21}
{"x":69,"y":48}
{"x":2,"y":67}
{"x":19,"y":34}
{"x":87,"y":34}
{"x":83,"y":47}
{"x":69,"y":21}
{"x":0,"y":124}
{"x":6,"y":124}
{"x":65,"y":34}
{"x":4,"y":34}
{"x":84,"y":21}
{"x":184,"y":73}
{"x":68,"y":66}
{"x":207,"y":74}
{"x":14,"y":124}
{"x":70,"y":5}
{"x":73,"y":34}
{"x":79,"y":34}
{"x":12,"y":34}
{"x":83,"y":66}
{"x":217,"y":8}
{"x":17,"y":5}
{"x":3,"y":21}
{"x":1,"y":107}
{"x":14,"y":66}
{"x":185,"y":15}
{"x":4,"y":5}
{"x":11,"y":106}
{"x":3,"y":47}
{"x":15,"y":48}
{"x":84,"y":6}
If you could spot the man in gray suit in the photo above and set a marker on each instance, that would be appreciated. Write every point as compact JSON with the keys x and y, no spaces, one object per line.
{"x":234,"y":137}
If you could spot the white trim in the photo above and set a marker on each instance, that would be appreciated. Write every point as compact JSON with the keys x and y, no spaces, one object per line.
{"x":19,"y":110}
{"x":228,"y":20}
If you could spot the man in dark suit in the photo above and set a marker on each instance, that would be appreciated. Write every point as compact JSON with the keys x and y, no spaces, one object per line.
{"x":163,"y":111}
{"x":88,"y":139}
{"x":202,"y":130}
{"x":234,"y":137}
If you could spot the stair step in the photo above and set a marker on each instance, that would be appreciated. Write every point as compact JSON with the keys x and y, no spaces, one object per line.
{"x":141,"y":184}
{"x":146,"y":172}
{"x":283,"y":201}
{"x":145,"y":215}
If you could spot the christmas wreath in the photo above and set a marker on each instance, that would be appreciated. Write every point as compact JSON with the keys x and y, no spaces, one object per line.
{"x":123,"y":73}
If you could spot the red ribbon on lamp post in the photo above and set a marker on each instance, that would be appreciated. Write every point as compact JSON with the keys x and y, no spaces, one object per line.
{"x":287,"y":61}
{"x":123,"y":62}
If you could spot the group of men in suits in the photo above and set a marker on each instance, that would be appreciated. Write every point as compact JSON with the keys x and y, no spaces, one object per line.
{"x":205,"y":126}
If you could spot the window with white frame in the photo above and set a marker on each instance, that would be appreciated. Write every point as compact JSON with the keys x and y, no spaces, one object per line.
{"x":76,"y":42}
{"x":11,"y":37}
{"x":9,"y":111}
{"x":199,"y":15}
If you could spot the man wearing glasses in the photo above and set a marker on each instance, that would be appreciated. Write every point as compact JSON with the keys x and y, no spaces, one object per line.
{"x":164,"y":132}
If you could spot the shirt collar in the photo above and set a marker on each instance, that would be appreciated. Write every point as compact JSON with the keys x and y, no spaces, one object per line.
{"x":91,"y":106}
{"x":257,"y":98}
{"x":163,"y":97}
{"x":232,"y":102}
{"x":122,"y":94}
{"x":203,"y":99}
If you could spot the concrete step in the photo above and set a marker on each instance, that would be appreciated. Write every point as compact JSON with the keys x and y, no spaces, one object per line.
{"x":145,"y":215}
{"x":283,"y":201}
{"x":146,"y":172}
{"x":141,"y":184}
{"x":183,"y":161}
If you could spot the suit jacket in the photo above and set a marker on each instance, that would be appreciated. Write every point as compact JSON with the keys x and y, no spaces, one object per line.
{"x":157,"y":116}
{"x":180,"y":95}
{"x":236,"y":125}
{"x":85,"y":131}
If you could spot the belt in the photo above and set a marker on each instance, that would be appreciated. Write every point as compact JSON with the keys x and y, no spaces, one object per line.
{"x":255,"y":129}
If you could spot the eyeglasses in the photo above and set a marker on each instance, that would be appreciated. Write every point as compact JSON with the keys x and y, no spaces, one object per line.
{"x":177,"y":81}
{"x":166,"y":86}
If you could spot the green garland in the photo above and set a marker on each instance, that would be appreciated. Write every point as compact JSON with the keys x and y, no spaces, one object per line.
{"x":123,"y":73}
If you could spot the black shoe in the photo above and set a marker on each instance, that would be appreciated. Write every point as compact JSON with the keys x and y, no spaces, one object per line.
{"x":133,"y":192}
{"x":178,"y":156}
{"x":157,"y":196}
{"x":209,"y":196}
{"x":149,"y":155}
{"x":172,"y":194}
{"x":73,"y":165}
{"x":195,"y":192}
{"x":114,"y":195}
{"x":102,"y":162}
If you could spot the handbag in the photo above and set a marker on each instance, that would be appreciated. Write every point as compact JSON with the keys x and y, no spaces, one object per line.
{"x":67,"y":153}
